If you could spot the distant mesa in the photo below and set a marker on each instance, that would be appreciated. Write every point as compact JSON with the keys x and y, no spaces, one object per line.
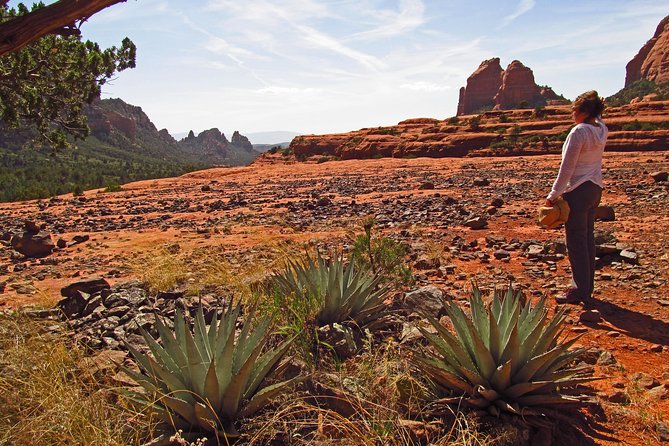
{"x":652,"y":60}
{"x":490,"y":87}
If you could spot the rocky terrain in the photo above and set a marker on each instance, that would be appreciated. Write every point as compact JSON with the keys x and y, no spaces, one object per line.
{"x":463,"y":220}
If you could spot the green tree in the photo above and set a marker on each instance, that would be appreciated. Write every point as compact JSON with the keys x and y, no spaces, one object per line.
{"x":45,"y":84}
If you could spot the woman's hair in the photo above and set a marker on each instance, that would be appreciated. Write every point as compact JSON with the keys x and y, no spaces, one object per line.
{"x":590,"y":103}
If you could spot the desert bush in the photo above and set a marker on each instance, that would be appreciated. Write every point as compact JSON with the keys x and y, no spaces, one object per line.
{"x":208,"y":378}
{"x":382,"y":255}
{"x":475,"y":122}
{"x":506,"y":356}
{"x":330,"y":290}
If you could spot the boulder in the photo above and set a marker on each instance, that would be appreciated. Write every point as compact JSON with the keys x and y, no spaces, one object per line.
{"x":73,"y":304}
{"x":33,"y":245}
{"x":90,"y":285}
{"x":660,"y":176}
{"x":605,"y":213}
{"x":428,"y":298}
{"x":477,"y":223}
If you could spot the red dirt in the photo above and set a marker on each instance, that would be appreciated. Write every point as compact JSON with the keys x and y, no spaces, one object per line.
{"x":278,"y":203}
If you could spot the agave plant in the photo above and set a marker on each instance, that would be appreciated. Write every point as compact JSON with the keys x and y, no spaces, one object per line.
{"x":339,"y":292}
{"x":210,"y":377}
{"x":506,"y":356}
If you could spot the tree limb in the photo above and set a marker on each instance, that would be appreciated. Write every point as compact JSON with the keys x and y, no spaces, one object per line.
{"x":52,"y":19}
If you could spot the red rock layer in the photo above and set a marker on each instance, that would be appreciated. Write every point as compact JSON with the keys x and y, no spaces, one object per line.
{"x":652,"y":60}
{"x":499,"y":133}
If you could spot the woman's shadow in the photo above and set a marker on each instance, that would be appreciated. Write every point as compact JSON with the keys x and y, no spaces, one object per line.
{"x":631,"y":323}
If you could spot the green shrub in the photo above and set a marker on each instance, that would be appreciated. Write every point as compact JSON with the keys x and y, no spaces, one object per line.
{"x":382,"y":255}
{"x":505,"y":356}
{"x":208,"y":378}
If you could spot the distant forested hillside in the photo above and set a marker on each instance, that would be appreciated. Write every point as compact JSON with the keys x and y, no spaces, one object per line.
{"x":124,"y":146}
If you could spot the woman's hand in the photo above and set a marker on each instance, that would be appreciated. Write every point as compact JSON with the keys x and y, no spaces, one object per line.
{"x":549,"y":203}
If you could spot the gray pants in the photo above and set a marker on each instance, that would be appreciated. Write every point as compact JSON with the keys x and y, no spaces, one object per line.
{"x":580,"y":232}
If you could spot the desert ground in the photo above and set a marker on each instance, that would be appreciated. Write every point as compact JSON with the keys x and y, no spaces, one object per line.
{"x":422,"y":202}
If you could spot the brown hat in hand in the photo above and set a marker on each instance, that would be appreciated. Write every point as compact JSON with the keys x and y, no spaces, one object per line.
{"x":553,"y":216}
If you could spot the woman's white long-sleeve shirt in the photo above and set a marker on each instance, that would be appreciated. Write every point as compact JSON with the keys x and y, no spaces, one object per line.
{"x":581,"y":158}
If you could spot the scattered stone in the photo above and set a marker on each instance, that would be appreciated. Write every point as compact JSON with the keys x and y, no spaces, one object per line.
{"x":497,"y":202}
{"x":428,"y":298}
{"x":662,"y":430}
{"x":605,"y":213}
{"x":501,"y":254}
{"x":606,"y":358}
{"x":664,"y":303}
{"x":427,"y":185}
{"x":323,"y":201}
{"x":629,"y":256}
{"x":657,"y":348}
{"x":425,"y":262}
{"x":79,"y":239}
{"x":33,"y":244}
{"x":61,"y":243}
{"x":89,"y":285}
{"x":481,"y":181}
{"x":620,"y":397}
{"x":477,"y":223}
{"x":645,"y":381}
{"x":592,"y":316}
{"x":660,"y":176}
{"x":659,"y":392}
{"x":73,"y":303}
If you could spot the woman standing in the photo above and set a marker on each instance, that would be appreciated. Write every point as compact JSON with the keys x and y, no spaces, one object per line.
{"x":579,"y":181}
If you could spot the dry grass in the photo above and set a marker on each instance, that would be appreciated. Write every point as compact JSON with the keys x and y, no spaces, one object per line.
{"x":199,"y":270}
{"x":46,"y":398}
{"x":387,"y":404}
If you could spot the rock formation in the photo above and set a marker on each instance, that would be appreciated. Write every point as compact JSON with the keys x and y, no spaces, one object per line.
{"x":491,"y":87}
{"x":213,"y":146}
{"x":482,"y":86}
{"x":241,"y":141}
{"x":652,"y":60}
{"x":518,"y":86}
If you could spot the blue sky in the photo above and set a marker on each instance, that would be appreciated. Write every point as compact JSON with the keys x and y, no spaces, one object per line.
{"x":313,"y":66}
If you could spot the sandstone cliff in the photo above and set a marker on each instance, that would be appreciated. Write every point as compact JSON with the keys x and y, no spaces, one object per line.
{"x":482,"y":86}
{"x":491,"y":87}
{"x":635,"y":127}
{"x":652,"y":60}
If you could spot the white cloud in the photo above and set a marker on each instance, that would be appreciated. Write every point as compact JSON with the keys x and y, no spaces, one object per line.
{"x":409,"y":17}
{"x":322,"y":40}
{"x":523,"y":7}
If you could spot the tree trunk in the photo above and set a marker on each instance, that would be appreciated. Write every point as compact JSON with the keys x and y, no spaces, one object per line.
{"x":57,"y":18}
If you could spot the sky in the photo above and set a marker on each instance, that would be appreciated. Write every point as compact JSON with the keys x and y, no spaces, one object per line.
{"x":316,"y":66}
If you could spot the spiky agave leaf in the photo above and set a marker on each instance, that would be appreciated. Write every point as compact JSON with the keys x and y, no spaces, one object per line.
{"x":341,"y":292}
{"x":209,"y":376}
{"x":506,"y":355}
